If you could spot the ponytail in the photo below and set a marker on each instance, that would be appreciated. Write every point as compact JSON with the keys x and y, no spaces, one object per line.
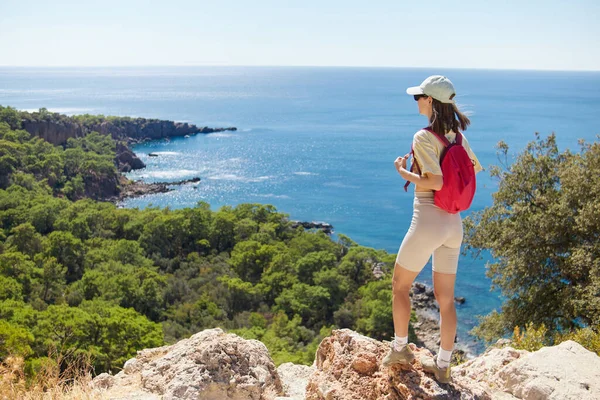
{"x":446,"y":117}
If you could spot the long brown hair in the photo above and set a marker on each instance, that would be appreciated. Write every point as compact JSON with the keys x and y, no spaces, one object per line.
{"x":446,"y":117}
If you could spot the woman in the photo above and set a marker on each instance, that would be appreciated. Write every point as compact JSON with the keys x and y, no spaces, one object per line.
{"x":433,"y":231}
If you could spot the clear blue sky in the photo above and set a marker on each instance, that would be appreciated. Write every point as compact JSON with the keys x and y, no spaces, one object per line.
{"x":523,"y":34}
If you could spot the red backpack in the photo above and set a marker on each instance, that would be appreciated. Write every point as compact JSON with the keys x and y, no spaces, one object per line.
{"x":459,"y":176}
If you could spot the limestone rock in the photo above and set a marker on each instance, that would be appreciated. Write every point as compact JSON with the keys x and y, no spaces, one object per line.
{"x":103,"y":381}
{"x":294,"y":378}
{"x":214,"y":365}
{"x":210,"y":365}
{"x":348,"y":367}
{"x":567,"y":371}
{"x":480,"y":374}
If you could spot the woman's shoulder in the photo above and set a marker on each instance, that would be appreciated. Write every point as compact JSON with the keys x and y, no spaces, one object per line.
{"x":422,"y":135}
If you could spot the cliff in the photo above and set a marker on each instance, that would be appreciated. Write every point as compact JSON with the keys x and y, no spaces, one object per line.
{"x":216,"y":365}
{"x":57,"y":128}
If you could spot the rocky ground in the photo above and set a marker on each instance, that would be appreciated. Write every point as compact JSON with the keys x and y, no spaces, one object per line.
{"x":131,"y":189}
{"x":215,"y":365}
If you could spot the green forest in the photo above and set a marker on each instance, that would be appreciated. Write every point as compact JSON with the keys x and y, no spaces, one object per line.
{"x":83,"y":276}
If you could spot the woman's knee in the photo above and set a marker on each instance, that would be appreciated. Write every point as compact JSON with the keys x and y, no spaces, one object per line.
{"x":444,"y":300}
{"x":402,"y":280}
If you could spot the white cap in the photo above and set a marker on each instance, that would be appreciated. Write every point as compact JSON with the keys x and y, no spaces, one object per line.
{"x":437,"y":86}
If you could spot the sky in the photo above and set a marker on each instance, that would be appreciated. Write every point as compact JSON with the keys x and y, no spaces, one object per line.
{"x":508,"y":34}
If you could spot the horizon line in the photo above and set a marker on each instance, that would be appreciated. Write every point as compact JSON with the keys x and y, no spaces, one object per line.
{"x":297,"y":66}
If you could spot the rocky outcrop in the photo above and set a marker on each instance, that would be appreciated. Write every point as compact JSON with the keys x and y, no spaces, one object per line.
{"x":348,"y":367}
{"x":481,"y":373}
{"x":140,"y":129}
{"x":324,"y":226}
{"x":55,"y":132}
{"x":60,"y":128}
{"x":210,"y":365}
{"x":567,"y":372}
{"x":141,"y":188}
{"x":215,"y":365}
{"x":101,"y":187}
{"x":126,"y":159}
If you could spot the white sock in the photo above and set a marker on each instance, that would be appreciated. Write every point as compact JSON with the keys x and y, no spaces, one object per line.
{"x":443,"y":358}
{"x":399,"y":342}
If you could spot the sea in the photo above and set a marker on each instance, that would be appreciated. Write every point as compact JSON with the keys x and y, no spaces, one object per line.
{"x":319,"y":142}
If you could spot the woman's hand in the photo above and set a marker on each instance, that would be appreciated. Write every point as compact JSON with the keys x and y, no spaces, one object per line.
{"x":400,"y":163}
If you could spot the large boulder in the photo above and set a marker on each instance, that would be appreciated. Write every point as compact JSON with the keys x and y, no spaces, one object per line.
{"x":126,"y":159}
{"x":348,"y":367}
{"x":567,"y":371}
{"x":481,"y":373}
{"x":210,"y":365}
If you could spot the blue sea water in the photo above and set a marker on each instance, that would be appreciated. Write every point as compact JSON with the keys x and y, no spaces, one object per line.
{"x":318,"y":143}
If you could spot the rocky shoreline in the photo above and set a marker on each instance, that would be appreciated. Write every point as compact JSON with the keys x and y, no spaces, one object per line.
{"x":140,"y":188}
{"x":323,"y":226}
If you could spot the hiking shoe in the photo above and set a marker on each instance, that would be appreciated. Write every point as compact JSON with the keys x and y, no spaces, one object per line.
{"x":442,"y":375}
{"x":404,"y":356}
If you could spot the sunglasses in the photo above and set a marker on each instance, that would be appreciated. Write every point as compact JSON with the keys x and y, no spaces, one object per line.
{"x":419,"y":96}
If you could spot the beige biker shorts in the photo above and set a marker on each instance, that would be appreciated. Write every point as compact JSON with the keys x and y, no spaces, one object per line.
{"x":432,"y":231}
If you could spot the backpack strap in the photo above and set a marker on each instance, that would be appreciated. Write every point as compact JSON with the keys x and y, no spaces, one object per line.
{"x":412,"y":166}
{"x":445,"y":142}
{"x":443,"y":138}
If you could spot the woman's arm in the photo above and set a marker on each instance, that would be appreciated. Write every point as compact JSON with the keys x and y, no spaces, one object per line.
{"x":427,"y":181}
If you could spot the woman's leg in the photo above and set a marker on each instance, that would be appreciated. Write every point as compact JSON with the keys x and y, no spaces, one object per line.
{"x":443,"y":288}
{"x":401,"y":284}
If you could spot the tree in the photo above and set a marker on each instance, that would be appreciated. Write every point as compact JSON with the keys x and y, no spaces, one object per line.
{"x":11,"y":117}
{"x":66,"y":330}
{"x":375,"y":315}
{"x":543,"y":232}
{"x":68,"y":251}
{"x":250,"y":258}
{"x":10,"y":288}
{"x":310,"y":302}
{"x":52,"y":279}
{"x":242,"y":295}
{"x":22,"y":270}
{"x":278,"y":276}
{"x":125,"y":285}
{"x":312,"y":263}
{"x":25,"y":239}
{"x":337,"y":284}
{"x":358,"y":264}
{"x":308,"y":242}
{"x":166,"y":235}
{"x":118,"y":333}
{"x":222,"y":235}
{"x":14,"y":340}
